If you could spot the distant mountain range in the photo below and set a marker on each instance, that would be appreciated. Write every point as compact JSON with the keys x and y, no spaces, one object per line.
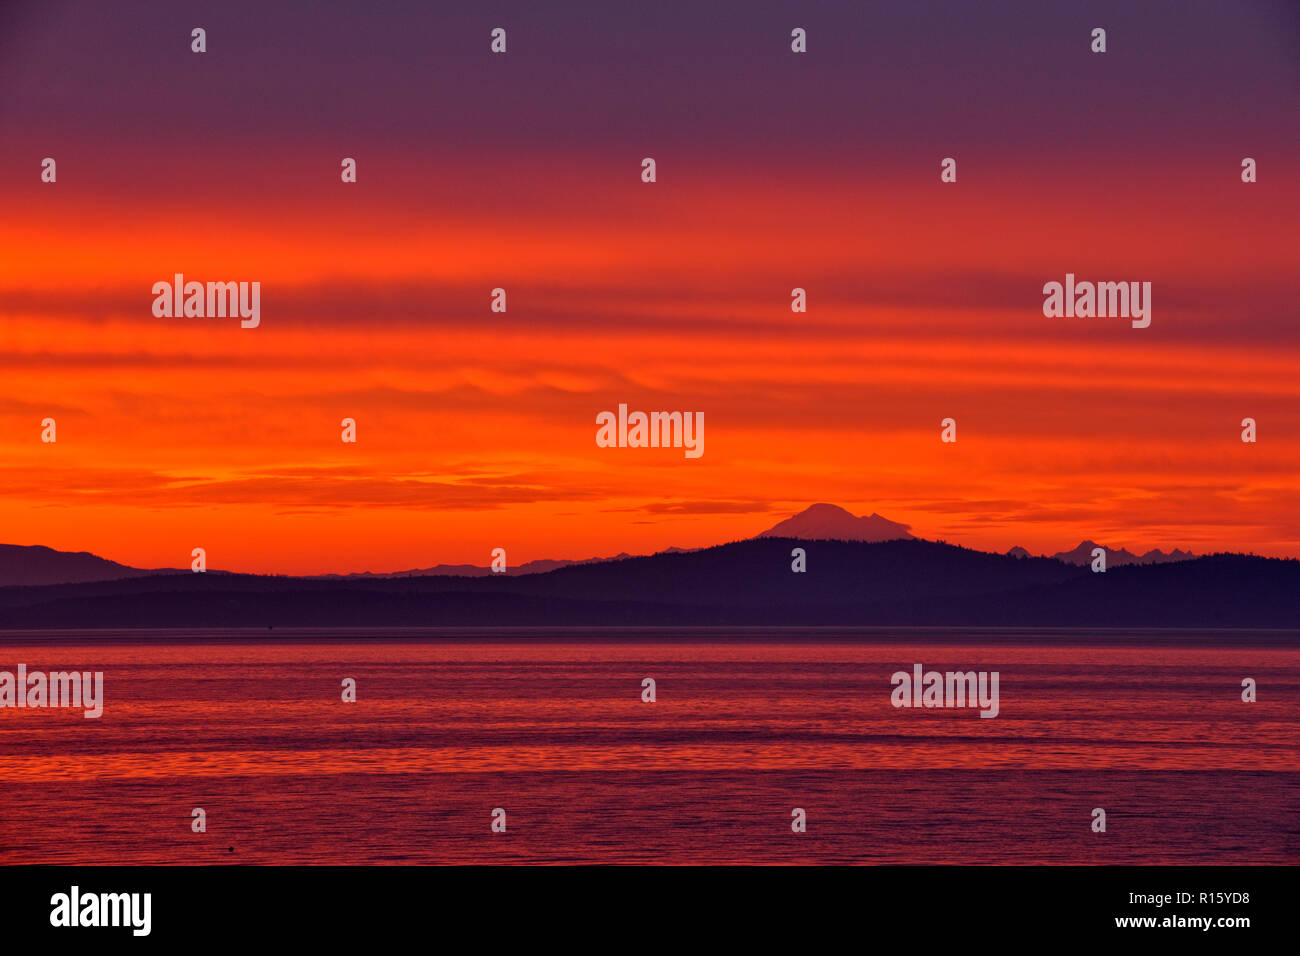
{"x":849,"y":581}
{"x":1115,"y":557}
{"x":34,"y":565}
{"x":37,"y":565}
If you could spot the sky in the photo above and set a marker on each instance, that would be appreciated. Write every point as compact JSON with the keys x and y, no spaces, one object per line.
{"x":775,"y":170}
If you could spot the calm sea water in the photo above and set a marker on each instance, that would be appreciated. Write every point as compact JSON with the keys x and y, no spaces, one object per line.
{"x":553,"y":730}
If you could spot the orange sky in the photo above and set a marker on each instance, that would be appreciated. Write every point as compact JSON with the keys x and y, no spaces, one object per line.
{"x":476,"y":430}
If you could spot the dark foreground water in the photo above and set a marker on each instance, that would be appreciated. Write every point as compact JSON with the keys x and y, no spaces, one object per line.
{"x":1151,"y":728}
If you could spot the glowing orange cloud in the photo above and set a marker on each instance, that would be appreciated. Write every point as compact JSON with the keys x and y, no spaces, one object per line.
{"x":476,"y":429}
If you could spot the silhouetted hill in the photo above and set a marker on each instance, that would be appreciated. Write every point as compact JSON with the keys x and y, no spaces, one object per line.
{"x":36,"y":564}
{"x":539,"y":566}
{"x":902,"y":582}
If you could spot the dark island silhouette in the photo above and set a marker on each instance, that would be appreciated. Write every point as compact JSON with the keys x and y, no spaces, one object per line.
{"x":888,"y":579}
